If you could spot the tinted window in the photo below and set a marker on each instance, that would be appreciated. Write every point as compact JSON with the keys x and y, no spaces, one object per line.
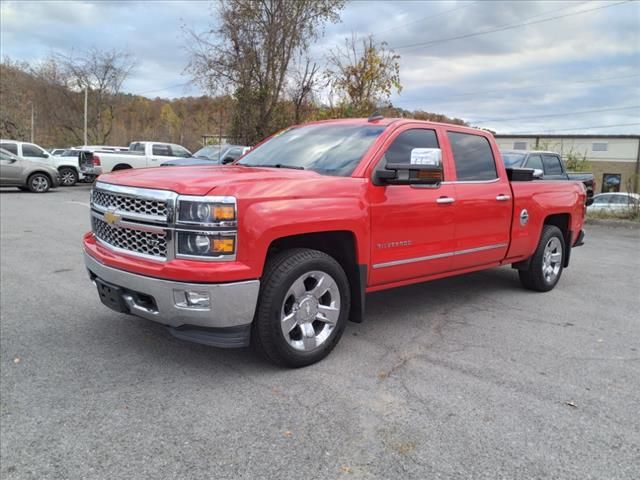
{"x":513,"y":159}
{"x":601,"y":199}
{"x":10,"y":147}
{"x":330,"y":149}
{"x":619,"y":200}
{"x":137,"y":147}
{"x":178,"y":151}
{"x":210,"y":152}
{"x":400,"y":150}
{"x":552,"y":165}
{"x":473,"y":157}
{"x":535,"y":161}
{"x":32,"y":151}
{"x":161,"y":150}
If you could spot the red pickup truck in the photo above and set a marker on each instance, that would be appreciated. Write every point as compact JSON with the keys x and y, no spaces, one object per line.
{"x":279,"y":249}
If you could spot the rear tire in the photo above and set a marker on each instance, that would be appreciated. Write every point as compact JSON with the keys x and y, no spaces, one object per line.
{"x":39,"y":183}
{"x":68,"y":176}
{"x":302,"y":309}
{"x":546,"y":263}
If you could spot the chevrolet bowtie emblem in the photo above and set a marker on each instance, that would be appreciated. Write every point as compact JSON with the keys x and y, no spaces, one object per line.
{"x":111,"y":218}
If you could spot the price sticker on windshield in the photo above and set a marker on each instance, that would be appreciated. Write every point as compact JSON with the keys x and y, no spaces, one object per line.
{"x":426,"y":156}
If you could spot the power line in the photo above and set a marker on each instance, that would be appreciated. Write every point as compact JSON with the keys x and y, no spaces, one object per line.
{"x":427,"y":18}
{"x":502,"y":90}
{"x":500,"y":120}
{"x":508,"y":27}
{"x":162,"y":89}
{"x":578,"y":128}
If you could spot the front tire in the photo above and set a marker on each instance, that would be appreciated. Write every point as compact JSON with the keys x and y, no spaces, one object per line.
{"x":547,"y":262}
{"x":68,"y":177}
{"x":303,"y":308}
{"x":39,"y":183}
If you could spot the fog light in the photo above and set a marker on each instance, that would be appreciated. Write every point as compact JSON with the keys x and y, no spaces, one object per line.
{"x":191,"y":299}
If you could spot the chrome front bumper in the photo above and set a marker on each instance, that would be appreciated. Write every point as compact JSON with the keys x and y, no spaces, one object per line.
{"x":230,"y":304}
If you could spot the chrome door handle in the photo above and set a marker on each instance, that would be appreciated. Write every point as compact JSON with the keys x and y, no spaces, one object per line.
{"x":503,"y":198}
{"x":445,"y":200}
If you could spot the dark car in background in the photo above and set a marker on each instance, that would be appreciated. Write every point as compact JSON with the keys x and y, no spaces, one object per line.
{"x":549,"y":166}
{"x":211,"y":155}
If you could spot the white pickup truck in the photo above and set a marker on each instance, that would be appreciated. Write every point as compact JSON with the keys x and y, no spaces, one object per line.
{"x":140,"y":155}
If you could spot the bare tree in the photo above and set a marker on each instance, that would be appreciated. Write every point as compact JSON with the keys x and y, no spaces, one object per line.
{"x":363,"y":73}
{"x":305,"y":79}
{"x":102,"y":73}
{"x":251,"y":51}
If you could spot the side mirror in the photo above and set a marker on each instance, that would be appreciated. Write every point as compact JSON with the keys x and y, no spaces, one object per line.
{"x":425,"y":168}
{"x":537,"y":173}
{"x":226,"y":160}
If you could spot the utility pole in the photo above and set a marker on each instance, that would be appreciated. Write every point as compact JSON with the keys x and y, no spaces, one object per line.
{"x":86,"y":101}
{"x":32,"y":122}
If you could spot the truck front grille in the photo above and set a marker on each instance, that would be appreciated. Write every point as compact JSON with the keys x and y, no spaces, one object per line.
{"x":135,"y":241}
{"x":129,"y":204}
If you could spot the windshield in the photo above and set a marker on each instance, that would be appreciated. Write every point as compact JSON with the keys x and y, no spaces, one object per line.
{"x":210,"y":152}
{"x":328,"y":149}
{"x":513,"y":159}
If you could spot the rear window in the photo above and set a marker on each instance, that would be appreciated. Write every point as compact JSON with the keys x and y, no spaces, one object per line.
{"x":552,"y":165}
{"x":10,"y":147}
{"x":473,"y":157}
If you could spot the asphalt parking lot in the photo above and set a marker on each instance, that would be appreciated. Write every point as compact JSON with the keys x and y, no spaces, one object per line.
{"x":470,"y":377}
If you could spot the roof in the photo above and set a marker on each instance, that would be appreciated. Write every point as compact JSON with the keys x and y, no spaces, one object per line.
{"x":546,"y":135}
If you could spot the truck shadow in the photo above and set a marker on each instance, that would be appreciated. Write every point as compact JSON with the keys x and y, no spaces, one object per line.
{"x":397,"y":309}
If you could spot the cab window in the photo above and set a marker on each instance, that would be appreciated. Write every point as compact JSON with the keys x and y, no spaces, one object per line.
{"x":400,"y":150}
{"x":473,"y":157}
{"x":161,"y":150}
{"x":552,"y":165}
{"x":178,"y":151}
{"x":535,"y":161}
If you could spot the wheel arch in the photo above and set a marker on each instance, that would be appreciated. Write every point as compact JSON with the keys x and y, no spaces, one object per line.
{"x":342,"y":246}
{"x":121,"y":166}
{"x":563,"y":222}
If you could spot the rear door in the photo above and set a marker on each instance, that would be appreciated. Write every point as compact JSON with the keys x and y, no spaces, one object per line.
{"x":10,"y":169}
{"x":483,"y":202}
{"x":411,"y":225}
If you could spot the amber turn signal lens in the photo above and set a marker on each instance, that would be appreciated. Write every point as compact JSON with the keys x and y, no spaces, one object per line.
{"x":223,"y":245}
{"x":224,"y":212}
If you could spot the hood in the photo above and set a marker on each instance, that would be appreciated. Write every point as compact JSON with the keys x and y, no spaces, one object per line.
{"x":189,"y":161}
{"x":227,"y":180}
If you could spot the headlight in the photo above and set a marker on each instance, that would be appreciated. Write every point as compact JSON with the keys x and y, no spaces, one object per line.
{"x":205,"y":212}
{"x":206,"y":244}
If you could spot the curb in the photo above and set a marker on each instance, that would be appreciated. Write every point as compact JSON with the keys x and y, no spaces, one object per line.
{"x":611,"y":222}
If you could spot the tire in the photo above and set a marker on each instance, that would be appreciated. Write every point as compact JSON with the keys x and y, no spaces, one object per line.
{"x":547,"y":262}
{"x":289,"y":302}
{"x":39,"y":183}
{"x":68,"y":176}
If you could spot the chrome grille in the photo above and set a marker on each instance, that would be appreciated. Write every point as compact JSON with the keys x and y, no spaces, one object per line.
{"x":138,"y":241}
{"x":129,"y":204}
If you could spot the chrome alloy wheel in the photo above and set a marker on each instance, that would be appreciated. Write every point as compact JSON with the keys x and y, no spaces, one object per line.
{"x":67,"y":178}
{"x":552,"y":259}
{"x":39,"y":183}
{"x":310,"y":310}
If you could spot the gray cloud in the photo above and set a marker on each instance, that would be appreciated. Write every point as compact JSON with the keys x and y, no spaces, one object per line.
{"x":546,"y":68}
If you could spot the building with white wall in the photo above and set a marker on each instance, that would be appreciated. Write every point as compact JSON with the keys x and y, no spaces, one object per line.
{"x":614,"y":159}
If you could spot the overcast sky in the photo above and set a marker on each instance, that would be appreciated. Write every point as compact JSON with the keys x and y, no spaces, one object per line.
{"x":579,"y":72}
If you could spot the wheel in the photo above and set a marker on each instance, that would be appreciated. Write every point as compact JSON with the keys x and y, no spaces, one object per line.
{"x":68,"y":176}
{"x":38,"y":183}
{"x":547,"y":262}
{"x":302,"y":309}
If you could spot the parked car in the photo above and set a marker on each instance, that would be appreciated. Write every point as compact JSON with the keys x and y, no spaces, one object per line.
{"x":550,"y":167}
{"x":56,"y":151}
{"x":615,"y":202}
{"x":37,"y":177}
{"x":211,"y":155}
{"x":279,"y":249}
{"x":68,"y":166}
{"x":141,"y":155}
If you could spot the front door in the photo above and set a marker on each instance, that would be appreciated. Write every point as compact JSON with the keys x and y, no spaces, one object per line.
{"x":483,"y":202}
{"x":412,"y":226}
{"x":10,"y":169}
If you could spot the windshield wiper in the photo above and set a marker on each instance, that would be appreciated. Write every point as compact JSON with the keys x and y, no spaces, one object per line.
{"x":275,"y":165}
